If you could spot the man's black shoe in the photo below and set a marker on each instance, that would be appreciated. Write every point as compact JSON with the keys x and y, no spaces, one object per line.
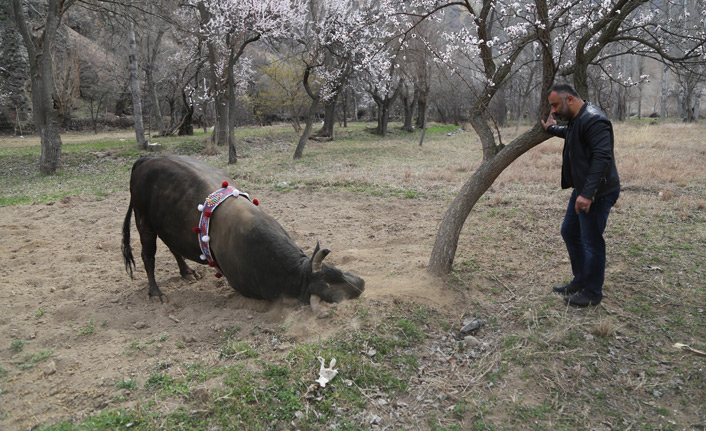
{"x":581,"y":300}
{"x":567,"y":289}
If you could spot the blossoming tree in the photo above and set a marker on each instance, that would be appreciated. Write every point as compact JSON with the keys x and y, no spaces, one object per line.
{"x":227,"y":27}
{"x":567,"y":38}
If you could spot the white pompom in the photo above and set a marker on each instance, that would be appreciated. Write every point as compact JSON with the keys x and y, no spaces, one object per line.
{"x":205,"y":238}
{"x":200,"y":207}
{"x":203,"y":257}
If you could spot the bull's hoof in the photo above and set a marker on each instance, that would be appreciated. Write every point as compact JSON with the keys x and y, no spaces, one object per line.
{"x":192,"y":276}
{"x":162,"y":298}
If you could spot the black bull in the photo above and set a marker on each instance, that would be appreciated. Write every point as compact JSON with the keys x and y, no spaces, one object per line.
{"x":254,"y":252}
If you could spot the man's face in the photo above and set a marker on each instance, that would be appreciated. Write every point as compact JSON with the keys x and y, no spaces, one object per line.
{"x":560,"y":109}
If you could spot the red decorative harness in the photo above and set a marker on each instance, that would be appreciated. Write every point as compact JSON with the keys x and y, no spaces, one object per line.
{"x":207,"y":209}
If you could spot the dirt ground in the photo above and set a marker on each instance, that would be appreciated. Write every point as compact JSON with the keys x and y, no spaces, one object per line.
{"x":64,"y":288}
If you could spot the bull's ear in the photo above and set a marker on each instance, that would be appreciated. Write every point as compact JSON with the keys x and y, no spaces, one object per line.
{"x":318,"y":258}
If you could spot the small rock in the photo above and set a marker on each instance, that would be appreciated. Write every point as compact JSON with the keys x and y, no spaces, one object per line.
{"x":470,"y":340}
{"x":282,"y":185}
{"x":374,"y":419}
{"x":140,"y":325}
{"x":50,"y":368}
{"x":470,"y":326}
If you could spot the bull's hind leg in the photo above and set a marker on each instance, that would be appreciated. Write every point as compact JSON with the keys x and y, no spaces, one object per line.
{"x":186,"y":272}
{"x":148,"y":239}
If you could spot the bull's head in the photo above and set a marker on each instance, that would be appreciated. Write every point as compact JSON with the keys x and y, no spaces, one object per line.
{"x":329,"y":283}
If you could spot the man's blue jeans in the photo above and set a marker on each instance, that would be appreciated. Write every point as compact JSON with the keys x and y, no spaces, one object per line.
{"x":583,"y":235}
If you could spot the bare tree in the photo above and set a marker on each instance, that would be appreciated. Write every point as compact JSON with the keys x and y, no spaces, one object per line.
{"x":40,"y":45}
{"x":227,"y":28}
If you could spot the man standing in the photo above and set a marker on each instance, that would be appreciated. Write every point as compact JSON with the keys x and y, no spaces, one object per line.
{"x":589,"y":167}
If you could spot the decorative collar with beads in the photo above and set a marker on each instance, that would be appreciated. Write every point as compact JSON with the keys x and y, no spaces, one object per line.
{"x":207,"y":209}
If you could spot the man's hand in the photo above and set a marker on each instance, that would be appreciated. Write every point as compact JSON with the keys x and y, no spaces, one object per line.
{"x":550,"y":121}
{"x":582,"y":204}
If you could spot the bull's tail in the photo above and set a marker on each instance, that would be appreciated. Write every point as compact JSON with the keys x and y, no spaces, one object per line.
{"x":127,"y":250}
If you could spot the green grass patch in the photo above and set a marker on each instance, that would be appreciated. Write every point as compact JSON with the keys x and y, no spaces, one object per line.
{"x":29,"y":360}
{"x":267,"y":394}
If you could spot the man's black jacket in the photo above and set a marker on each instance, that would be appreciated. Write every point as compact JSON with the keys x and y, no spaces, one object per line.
{"x":589,"y":160}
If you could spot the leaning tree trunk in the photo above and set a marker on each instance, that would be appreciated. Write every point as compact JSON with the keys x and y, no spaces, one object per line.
{"x":135,"y":87}
{"x":446,"y":242}
{"x":299,"y":151}
{"x":496,"y":157}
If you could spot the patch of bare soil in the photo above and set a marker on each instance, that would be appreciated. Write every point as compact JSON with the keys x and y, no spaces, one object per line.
{"x":64,"y":290}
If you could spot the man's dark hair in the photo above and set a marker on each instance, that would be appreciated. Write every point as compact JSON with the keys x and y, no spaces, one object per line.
{"x":563,"y":89}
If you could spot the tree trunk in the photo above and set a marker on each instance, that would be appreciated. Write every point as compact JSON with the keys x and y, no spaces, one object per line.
{"x":496,"y":157}
{"x":409,"y":110}
{"x":446,"y":241}
{"x":220,"y":129}
{"x":39,"y":50}
{"x":383,"y":117}
{"x":664,"y":94}
{"x":442,"y":113}
{"x":422,"y":101}
{"x":46,"y":118}
{"x":152,"y":86}
{"x":135,"y":87}
{"x":355,"y":107}
{"x":186,"y":126}
{"x":232,"y":153}
{"x":154,"y":100}
{"x":697,"y":104}
{"x":329,"y":118}
{"x":299,"y":151}
{"x":345,"y":108}
{"x":680,"y":99}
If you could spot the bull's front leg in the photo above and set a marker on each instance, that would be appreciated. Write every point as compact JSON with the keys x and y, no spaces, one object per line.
{"x":187,"y":273}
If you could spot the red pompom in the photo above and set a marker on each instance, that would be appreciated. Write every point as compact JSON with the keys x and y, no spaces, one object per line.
{"x":207,"y":213}
{"x":225,"y":184}
{"x":212,"y":263}
{"x":219,"y":275}
{"x":196,"y":229}
{"x":256,"y":202}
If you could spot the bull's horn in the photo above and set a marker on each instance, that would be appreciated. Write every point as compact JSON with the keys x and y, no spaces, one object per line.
{"x":317,"y":260}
